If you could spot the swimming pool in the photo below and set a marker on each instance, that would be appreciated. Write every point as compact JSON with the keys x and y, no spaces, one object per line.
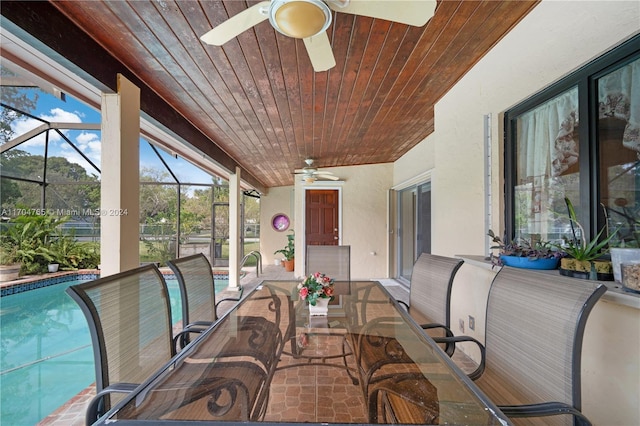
{"x":46,"y":356}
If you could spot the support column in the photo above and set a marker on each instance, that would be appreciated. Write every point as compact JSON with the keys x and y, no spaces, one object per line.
{"x":235,"y":241}
{"x":120,"y":179}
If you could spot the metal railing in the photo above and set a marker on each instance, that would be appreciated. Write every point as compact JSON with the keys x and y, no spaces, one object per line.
{"x":258,"y":257}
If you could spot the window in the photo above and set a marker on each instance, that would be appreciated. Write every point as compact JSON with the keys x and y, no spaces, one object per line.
{"x":579,"y":139}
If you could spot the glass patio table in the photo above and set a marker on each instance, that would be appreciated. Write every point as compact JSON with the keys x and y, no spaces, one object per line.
{"x":267,"y":360}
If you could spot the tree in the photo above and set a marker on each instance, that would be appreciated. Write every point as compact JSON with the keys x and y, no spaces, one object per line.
{"x":76,"y":197}
{"x":18,"y":98}
{"x":157,"y":202}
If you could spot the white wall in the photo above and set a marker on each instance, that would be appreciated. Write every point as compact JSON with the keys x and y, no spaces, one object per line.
{"x":278,"y":200}
{"x":363,"y":217}
{"x":365,"y":226}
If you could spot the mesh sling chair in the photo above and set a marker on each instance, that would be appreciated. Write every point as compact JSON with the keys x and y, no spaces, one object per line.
{"x":333,"y":261}
{"x":257,"y":336}
{"x":129,"y":319}
{"x":429,"y":305}
{"x":197,"y":288}
{"x":533,"y":340}
{"x":430,"y":293}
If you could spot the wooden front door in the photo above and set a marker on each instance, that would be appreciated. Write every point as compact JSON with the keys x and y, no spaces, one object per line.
{"x":322,"y":217}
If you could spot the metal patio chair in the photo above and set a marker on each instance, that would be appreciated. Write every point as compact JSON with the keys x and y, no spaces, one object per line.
{"x":533,"y":340}
{"x":257,"y":336}
{"x":429,"y":305}
{"x":333,"y":261}
{"x":129,"y":318}
{"x":197,"y":290}
{"x":129,"y":321}
{"x":430,"y":294}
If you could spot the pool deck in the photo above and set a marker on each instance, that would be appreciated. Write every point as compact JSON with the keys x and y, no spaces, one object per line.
{"x":72,"y":413}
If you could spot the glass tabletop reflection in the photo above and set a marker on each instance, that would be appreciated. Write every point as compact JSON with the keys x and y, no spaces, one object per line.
{"x":269,"y":360}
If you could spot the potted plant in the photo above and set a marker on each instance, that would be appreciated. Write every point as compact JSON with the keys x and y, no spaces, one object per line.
{"x":31,"y":235}
{"x":9,"y":264}
{"x":317,"y":289}
{"x":585,"y":259}
{"x":521,"y":253}
{"x":288,"y":252}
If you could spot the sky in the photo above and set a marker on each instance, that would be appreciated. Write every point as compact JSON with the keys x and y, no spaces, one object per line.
{"x":52,"y":109}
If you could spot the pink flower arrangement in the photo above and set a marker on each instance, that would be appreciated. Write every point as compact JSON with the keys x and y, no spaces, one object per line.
{"x":315,"y":286}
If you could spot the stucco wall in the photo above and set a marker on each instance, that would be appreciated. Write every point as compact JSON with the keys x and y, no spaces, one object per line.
{"x":278,"y":200}
{"x":363,"y":218}
{"x":365,"y":226}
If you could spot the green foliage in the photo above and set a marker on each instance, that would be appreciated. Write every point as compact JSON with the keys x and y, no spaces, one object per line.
{"x":84,"y":195}
{"x":289,"y":250}
{"x":37,"y":241}
{"x":581,"y":249}
{"x":522,"y":247}
{"x":16,"y":97}
{"x":8,"y":254}
{"x":72,"y":255}
{"x":31,"y":236}
{"x":160,"y":243}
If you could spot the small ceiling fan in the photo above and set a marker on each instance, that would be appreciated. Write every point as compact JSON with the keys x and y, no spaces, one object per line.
{"x":310,"y":174}
{"x":309,"y":20}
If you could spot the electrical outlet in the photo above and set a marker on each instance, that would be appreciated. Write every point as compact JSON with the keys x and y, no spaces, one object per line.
{"x":461,"y":323}
{"x":472,"y":323}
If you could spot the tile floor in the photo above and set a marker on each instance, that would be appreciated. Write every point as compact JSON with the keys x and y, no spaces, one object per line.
{"x":340,"y":400}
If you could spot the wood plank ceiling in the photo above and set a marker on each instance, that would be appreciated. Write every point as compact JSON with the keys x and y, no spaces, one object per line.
{"x":257,"y":97}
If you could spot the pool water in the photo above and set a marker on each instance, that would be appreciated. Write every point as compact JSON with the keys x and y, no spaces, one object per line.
{"x":46,"y":356}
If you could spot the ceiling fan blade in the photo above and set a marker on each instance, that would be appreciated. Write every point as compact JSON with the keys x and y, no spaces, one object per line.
{"x":329,"y":177}
{"x":237,"y":24}
{"x":320,"y":52}
{"x":410,"y":12}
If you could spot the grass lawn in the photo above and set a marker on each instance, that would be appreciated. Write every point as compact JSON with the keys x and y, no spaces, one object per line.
{"x":155,"y":252}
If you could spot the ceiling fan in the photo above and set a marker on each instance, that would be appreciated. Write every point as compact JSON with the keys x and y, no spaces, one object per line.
{"x":309,"y":20}
{"x":310,"y":174}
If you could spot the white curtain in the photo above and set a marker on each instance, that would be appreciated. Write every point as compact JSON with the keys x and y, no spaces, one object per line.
{"x":548,"y":138}
{"x":619,"y":97}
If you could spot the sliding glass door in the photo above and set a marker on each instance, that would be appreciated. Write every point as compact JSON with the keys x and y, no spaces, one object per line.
{"x":414,"y":227}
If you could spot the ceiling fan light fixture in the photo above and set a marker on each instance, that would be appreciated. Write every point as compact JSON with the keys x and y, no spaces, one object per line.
{"x":299,"y":18}
{"x":309,"y":179}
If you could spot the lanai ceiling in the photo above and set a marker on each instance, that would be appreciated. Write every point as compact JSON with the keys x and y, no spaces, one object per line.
{"x":256,"y":101}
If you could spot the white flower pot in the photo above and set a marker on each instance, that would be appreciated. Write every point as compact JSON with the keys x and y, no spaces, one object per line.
{"x":53,"y":267}
{"x":321,"y":308}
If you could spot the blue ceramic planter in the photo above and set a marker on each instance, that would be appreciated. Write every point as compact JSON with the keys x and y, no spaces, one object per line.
{"x":526,"y":263}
